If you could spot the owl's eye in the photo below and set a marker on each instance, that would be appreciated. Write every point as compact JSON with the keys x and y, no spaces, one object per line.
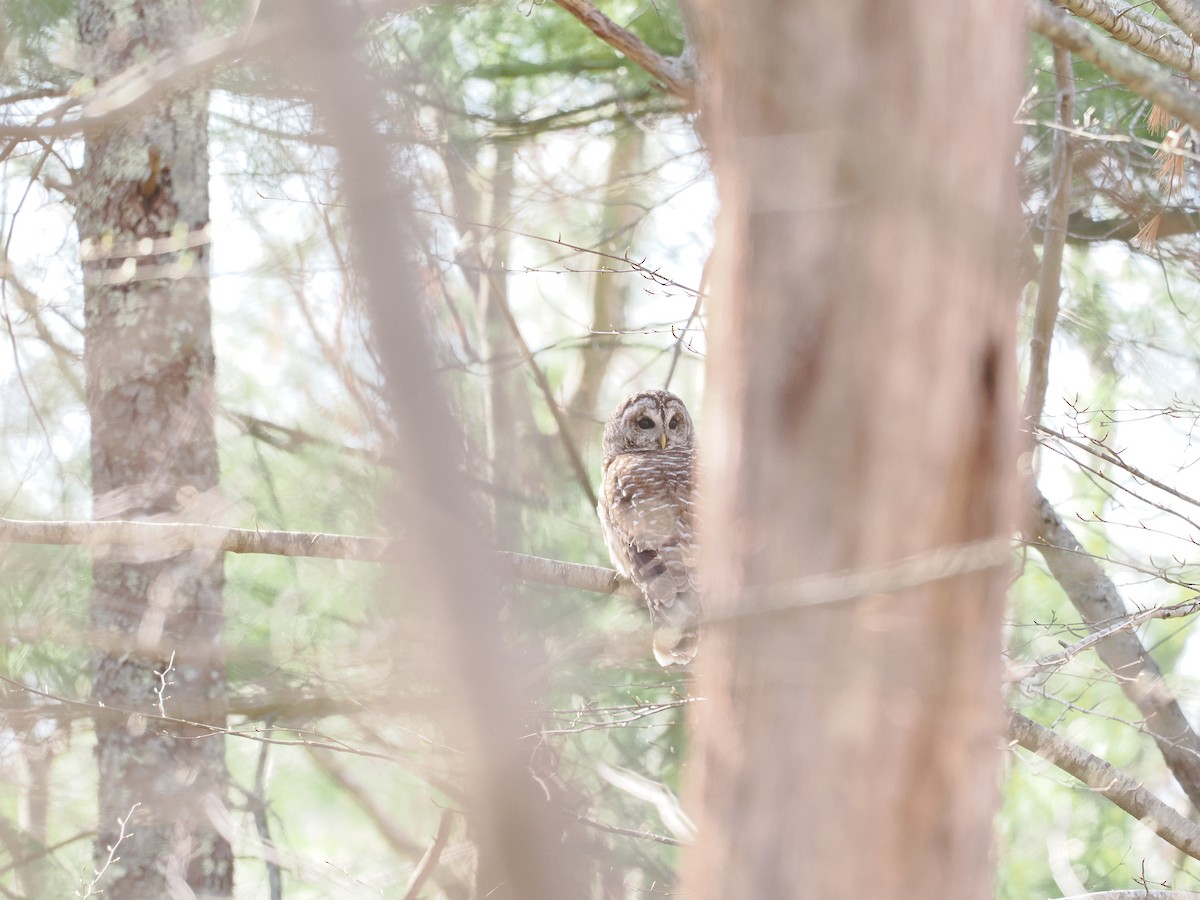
{"x":674,"y":422}
{"x":645,"y":422}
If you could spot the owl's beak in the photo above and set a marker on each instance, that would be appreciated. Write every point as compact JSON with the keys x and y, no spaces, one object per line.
{"x":662,"y":440}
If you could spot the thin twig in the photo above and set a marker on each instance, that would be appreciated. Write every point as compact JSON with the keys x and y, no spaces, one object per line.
{"x":632,"y":832}
{"x":89,"y":890}
{"x":543,"y":383}
{"x":1101,"y":451}
{"x":1125,"y":623}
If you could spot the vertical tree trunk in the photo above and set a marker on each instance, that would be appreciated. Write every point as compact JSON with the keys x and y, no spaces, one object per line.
{"x":861,"y":409}
{"x":143,"y":204}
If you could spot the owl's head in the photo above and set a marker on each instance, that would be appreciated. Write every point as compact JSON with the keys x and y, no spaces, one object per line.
{"x":648,"y":421}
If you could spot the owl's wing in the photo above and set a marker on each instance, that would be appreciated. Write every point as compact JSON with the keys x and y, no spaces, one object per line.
{"x":649,"y":523}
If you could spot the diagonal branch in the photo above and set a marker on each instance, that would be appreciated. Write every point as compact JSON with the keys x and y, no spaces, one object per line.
{"x":1137,"y":73}
{"x":429,"y":860}
{"x":1099,"y":602}
{"x":1144,"y":33}
{"x":666,"y":69}
{"x":1184,"y":13}
{"x":1108,"y":781}
{"x":1125,"y":623}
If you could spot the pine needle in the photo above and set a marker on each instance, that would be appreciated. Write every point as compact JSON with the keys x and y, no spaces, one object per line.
{"x":1146,"y":238}
{"x":1159,"y":120}
{"x":1170,"y":173}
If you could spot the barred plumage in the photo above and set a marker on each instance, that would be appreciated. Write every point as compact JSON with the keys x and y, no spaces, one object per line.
{"x":647,"y":513}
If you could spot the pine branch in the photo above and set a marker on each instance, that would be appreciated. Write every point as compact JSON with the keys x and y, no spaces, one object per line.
{"x":667,"y":70}
{"x":1184,"y":13}
{"x":1152,"y":37}
{"x":1115,"y":59}
{"x":1108,"y":781}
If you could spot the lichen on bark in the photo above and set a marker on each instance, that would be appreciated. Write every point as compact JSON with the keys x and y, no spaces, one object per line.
{"x":150,"y":381}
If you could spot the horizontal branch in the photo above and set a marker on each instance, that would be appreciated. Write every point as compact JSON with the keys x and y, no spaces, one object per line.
{"x":1172,"y":222}
{"x":632,"y":832}
{"x":914,"y":571}
{"x":159,"y":540}
{"x":1115,"y":59}
{"x":1108,"y":781}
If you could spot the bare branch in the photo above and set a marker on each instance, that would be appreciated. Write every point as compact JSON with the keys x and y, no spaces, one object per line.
{"x":668,"y":71}
{"x":543,"y":383}
{"x":169,"y":538}
{"x":1138,"y":74}
{"x":912,"y":571}
{"x":164,"y":539}
{"x":1125,"y":623}
{"x":632,"y":832}
{"x":1102,"y":451}
{"x":1108,"y":781}
{"x":1099,"y":602}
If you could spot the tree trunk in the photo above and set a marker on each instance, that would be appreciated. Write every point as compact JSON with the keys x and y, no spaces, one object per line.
{"x":143,"y":206}
{"x":861,"y":410}
{"x":610,"y":292}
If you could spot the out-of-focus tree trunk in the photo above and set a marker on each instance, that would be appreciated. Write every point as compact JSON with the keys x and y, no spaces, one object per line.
{"x":609,"y":291}
{"x":506,"y":390}
{"x":861,"y":409}
{"x":143,"y":199}
{"x":442,"y":560}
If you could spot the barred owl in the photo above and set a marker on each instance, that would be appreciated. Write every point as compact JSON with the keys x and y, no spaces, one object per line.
{"x":646,"y":511}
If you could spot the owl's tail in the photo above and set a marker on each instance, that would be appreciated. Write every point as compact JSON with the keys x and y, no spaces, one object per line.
{"x":676,"y":629}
